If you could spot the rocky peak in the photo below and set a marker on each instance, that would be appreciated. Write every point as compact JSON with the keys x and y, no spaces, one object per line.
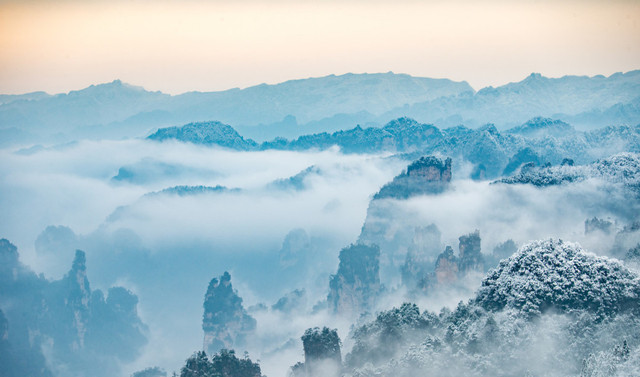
{"x":79,"y":329}
{"x":449,"y":268}
{"x":446,"y":271}
{"x":426,"y":175}
{"x":77,"y":282}
{"x":354,"y":288}
{"x":225,"y":321}
{"x":431,"y":169}
{"x":77,"y":293}
{"x":471,"y":258}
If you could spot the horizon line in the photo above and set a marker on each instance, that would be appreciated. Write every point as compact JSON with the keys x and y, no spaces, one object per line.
{"x":117,"y":80}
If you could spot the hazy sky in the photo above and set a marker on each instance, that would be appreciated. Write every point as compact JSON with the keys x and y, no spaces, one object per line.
{"x":175,"y":47}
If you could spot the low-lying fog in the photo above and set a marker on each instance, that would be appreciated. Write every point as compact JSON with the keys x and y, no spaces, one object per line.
{"x":167,"y":246}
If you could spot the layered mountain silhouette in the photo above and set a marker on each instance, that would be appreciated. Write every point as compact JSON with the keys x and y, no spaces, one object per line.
{"x":329,"y":103}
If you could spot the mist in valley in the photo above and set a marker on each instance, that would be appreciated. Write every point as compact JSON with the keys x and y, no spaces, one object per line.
{"x":314,"y":190}
{"x":163,"y":219}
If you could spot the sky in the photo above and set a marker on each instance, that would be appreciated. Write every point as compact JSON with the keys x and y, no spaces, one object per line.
{"x":179,"y":46}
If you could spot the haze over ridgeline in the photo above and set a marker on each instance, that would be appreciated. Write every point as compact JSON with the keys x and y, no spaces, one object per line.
{"x":330,"y":103}
{"x":355,"y":225}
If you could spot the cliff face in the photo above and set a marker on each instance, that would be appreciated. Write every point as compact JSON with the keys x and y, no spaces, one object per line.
{"x":403,"y":243}
{"x":428,"y":175}
{"x":449,"y":269}
{"x":446,"y":271}
{"x":225,"y":322}
{"x":431,"y":169}
{"x":354,"y":288}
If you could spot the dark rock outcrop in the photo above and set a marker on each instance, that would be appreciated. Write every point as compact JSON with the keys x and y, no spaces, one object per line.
{"x":354,"y":288}
{"x":225,"y":322}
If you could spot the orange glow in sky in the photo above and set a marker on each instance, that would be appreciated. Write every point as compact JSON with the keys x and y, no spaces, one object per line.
{"x":197,"y":45}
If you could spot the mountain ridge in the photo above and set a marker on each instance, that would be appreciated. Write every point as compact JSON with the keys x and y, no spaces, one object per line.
{"x":328,"y":103}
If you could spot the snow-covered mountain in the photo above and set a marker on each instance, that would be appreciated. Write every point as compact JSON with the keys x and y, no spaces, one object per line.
{"x":491,"y":152}
{"x":622,"y":168}
{"x":551,"y":309}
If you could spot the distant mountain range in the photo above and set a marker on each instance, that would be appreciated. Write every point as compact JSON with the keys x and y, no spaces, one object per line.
{"x":324,"y":104}
{"x":493,"y":153}
{"x":123,"y":107}
{"x":586,"y":102}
